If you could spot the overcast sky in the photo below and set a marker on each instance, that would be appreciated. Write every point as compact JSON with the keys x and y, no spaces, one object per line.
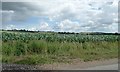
{"x":61,"y":15}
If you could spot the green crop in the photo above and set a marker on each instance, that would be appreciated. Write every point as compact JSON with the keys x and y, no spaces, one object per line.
{"x":35,"y":48}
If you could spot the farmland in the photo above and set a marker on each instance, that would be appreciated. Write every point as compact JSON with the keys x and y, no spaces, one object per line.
{"x":53,"y":47}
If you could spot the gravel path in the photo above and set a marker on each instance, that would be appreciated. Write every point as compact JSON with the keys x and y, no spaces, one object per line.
{"x":17,"y":67}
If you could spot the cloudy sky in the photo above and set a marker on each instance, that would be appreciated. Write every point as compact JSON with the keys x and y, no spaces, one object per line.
{"x":61,"y":15}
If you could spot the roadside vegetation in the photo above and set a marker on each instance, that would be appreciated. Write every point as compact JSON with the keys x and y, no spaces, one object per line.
{"x":47,"y":48}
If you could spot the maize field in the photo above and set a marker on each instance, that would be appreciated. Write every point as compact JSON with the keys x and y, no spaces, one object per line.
{"x":47,"y":48}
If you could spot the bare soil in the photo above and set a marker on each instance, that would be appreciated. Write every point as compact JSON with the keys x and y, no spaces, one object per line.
{"x":75,"y":65}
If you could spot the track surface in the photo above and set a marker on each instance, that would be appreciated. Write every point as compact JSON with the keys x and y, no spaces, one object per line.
{"x":106,"y":67}
{"x":111,"y":64}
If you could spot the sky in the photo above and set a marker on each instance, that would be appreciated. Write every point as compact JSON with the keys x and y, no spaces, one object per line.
{"x":61,"y":15}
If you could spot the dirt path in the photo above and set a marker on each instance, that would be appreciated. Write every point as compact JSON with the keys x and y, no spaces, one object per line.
{"x":76,"y":65}
{"x":105,"y":67}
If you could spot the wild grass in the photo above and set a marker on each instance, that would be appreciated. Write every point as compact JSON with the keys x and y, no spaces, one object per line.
{"x":43,"y":52}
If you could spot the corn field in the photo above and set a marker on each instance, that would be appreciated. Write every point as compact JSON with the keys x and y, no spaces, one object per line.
{"x":57,"y":37}
{"x":42,"y":48}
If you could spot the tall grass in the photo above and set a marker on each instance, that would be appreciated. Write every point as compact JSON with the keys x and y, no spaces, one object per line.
{"x":41,"y":51}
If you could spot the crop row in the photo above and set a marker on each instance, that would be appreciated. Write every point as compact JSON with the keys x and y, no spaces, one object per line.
{"x":57,"y":37}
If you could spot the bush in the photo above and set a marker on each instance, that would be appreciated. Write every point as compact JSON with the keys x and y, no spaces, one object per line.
{"x":20,"y":48}
{"x":38,"y":47}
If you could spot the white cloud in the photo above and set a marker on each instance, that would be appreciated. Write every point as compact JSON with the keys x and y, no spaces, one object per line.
{"x":71,"y":15}
{"x":68,"y":25}
{"x":32,"y":29}
{"x":44,"y":27}
{"x":10,"y":27}
{"x":7,"y":11}
{"x":113,"y":27}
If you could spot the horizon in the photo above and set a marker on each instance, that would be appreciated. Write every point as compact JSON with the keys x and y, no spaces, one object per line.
{"x":61,"y":15}
{"x":24,"y":30}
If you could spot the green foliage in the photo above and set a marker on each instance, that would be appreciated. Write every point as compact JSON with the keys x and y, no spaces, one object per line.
{"x":25,"y":37}
{"x":34,"y":59}
{"x":36,"y":48}
{"x":20,"y":49}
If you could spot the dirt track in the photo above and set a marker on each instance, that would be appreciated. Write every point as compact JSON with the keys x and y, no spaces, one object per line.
{"x":77,"y":65}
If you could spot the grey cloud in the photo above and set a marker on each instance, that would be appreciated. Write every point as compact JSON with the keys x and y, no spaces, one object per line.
{"x":22,"y":10}
{"x":105,"y":21}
